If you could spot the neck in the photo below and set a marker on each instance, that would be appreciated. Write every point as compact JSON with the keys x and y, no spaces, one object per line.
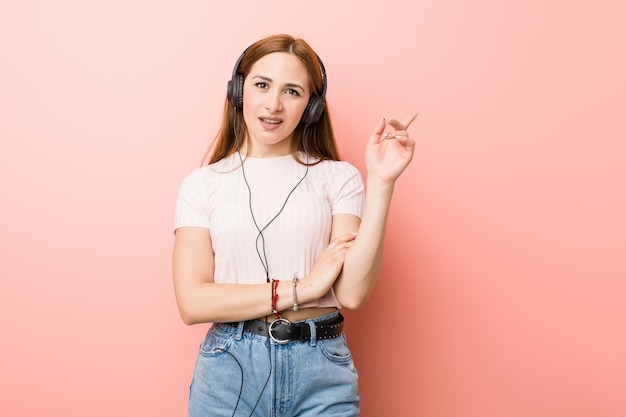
{"x":267,"y":151}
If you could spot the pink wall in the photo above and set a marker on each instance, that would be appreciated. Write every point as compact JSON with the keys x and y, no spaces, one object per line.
{"x":504,"y":279}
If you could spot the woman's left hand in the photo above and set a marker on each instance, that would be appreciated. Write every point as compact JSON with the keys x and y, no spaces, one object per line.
{"x":387,"y":155}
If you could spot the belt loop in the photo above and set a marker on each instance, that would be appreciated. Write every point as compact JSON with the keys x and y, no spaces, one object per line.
{"x":313,"y":328}
{"x":239,"y":333}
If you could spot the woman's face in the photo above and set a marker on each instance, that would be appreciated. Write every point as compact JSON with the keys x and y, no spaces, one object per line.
{"x":275,"y":94}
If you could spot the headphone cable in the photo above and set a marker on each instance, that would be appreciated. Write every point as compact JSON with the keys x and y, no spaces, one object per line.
{"x":263,"y":257}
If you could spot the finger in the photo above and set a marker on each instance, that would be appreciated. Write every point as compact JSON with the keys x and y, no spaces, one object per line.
{"x":405,"y":141}
{"x":340,"y":240}
{"x":402,"y":125}
{"x":396,"y":134}
{"x":407,"y":122}
{"x":347,"y":237}
{"x":378,"y":131}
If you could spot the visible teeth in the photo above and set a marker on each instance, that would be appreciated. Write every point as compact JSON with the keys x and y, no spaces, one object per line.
{"x":271,"y":121}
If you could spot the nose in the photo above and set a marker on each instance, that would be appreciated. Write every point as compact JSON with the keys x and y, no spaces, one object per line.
{"x":274,"y":102}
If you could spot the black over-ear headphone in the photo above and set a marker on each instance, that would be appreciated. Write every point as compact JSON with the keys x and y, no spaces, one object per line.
{"x":314,"y":108}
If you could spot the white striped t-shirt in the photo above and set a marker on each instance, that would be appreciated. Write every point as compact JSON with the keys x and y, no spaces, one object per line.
{"x":216,"y":197}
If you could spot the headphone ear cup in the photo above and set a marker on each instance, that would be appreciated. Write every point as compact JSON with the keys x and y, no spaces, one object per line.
{"x":314,"y":110}
{"x":234,"y":91}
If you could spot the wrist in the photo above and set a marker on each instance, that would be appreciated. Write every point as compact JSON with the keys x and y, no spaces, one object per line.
{"x":287,"y":294}
{"x":378,"y":189}
{"x":307,"y":290}
{"x":374,"y":182}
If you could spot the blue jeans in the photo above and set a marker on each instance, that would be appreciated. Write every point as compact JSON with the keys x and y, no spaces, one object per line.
{"x":243,"y":374}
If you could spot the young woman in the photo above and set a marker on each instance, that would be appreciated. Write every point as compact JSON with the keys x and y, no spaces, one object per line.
{"x":274,"y":236}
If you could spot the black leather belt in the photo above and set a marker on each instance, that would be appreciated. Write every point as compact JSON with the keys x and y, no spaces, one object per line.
{"x":283,"y":331}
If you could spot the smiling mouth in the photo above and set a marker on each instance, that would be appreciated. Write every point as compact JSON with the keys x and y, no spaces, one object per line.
{"x":271,"y":121}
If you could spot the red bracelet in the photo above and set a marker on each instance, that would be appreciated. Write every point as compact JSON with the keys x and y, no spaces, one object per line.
{"x":275,"y":297}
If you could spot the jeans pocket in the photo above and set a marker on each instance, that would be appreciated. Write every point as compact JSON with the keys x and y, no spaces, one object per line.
{"x":216,"y":342}
{"x":336,"y":350}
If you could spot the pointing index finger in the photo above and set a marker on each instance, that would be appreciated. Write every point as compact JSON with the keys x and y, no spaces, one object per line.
{"x":402,"y":125}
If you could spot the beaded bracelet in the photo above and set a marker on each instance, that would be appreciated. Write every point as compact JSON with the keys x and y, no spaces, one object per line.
{"x":295,"y":293}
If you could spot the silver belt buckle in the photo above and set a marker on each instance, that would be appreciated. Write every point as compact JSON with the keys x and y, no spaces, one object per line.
{"x":275,"y":323}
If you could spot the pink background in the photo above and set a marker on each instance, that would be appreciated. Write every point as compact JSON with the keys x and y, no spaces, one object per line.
{"x":504,"y":281}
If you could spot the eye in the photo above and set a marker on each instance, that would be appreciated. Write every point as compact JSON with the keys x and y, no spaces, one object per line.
{"x":292,"y":92}
{"x":261,"y":84}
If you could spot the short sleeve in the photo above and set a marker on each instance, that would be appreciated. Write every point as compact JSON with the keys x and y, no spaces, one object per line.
{"x":192,"y":204}
{"x":347,"y":192}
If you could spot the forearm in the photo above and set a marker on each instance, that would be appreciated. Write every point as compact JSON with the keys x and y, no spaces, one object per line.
{"x":363,"y":259}
{"x":223,"y":303}
{"x":200,"y":300}
{"x":208,"y":302}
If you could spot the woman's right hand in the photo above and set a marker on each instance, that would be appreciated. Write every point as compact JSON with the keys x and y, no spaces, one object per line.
{"x":327,"y":268}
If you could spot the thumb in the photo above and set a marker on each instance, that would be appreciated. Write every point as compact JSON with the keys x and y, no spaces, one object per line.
{"x":378,"y":131}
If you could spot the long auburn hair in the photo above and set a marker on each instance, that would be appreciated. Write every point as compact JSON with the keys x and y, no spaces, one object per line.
{"x":317,"y":139}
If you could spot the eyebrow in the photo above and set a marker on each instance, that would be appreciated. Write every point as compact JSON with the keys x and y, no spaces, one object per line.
{"x":290,"y":85}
